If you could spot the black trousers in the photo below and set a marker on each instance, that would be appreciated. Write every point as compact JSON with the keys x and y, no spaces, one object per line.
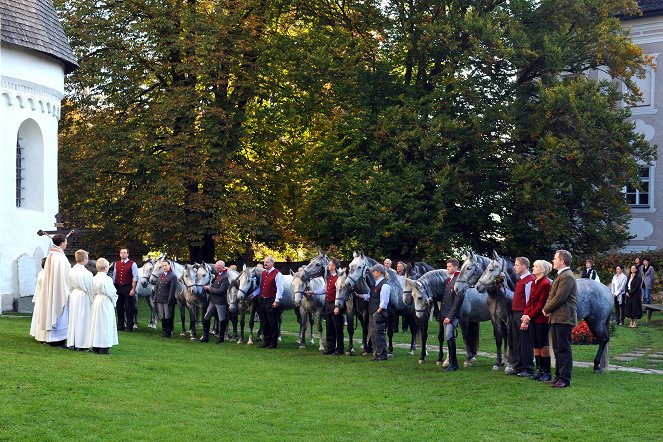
{"x":125,"y":306}
{"x":619,"y":310}
{"x":334,"y":329}
{"x":522,"y":353}
{"x":269,"y":320}
{"x":561,"y":343}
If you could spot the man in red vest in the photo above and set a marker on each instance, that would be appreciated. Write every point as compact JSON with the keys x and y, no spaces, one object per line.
{"x":520,"y":345}
{"x":125,"y":278}
{"x":333,"y":316}
{"x":270,"y":290}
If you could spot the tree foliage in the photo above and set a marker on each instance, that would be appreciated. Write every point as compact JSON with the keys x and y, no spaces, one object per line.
{"x":411,"y":129}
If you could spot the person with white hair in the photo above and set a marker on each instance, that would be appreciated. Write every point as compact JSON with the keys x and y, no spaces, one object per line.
{"x":218,"y":302}
{"x":103,"y":330}
{"x":535,"y":323}
{"x":270,"y":289}
{"x":80,"y":303}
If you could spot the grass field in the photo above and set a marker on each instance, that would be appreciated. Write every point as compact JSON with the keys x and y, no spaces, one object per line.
{"x":150,"y":388}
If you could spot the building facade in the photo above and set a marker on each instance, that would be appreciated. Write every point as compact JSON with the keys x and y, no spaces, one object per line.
{"x":35,"y":56}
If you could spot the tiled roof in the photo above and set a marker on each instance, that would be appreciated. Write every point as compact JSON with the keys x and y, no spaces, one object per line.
{"x":34,"y":24}
{"x":650,"y":7}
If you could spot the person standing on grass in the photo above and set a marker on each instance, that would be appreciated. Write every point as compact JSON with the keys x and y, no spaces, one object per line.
{"x":103,"y":331}
{"x":333,"y":317}
{"x":53,"y":309}
{"x":125,"y":278}
{"x":80,"y":303}
{"x":218,"y":301}
{"x":618,"y":290}
{"x":270,"y":290}
{"x":449,"y":308}
{"x":378,"y":302}
{"x":165,"y":297}
{"x":648,"y":276}
{"x":561,"y":309}
{"x":633,"y":302}
{"x":520,"y":346}
{"x":535,"y":323}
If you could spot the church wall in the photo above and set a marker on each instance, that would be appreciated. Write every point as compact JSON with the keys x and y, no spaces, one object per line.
{"x":31,"y":88}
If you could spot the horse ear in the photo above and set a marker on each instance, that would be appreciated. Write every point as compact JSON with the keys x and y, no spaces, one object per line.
{"x":495,"y":255}
{"x":292,"y":273}
{"x":354,"y":254}
{"x":244,"y":267}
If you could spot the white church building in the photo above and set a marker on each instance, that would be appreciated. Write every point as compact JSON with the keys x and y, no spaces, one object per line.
{"x":35,"y":56}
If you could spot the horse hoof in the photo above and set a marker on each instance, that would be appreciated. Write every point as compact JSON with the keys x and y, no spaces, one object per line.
{"x":182,"y":334}
{"x":496,"y":368}
{"x":467,"y":363}
{"x":279,"y":339}
{"x":445,"y":364}
{"x":193,"y":338}
{"x":312,"y":341}
{"x":598,"y":370}
{"x":302,"y":347}
{"x":410,"y":353}
{"x":421,"y":361}
{"x":439,"y":363}
{"x":239,"y":341}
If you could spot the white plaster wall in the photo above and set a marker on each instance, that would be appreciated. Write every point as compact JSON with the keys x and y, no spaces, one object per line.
{"x":31,"y":87}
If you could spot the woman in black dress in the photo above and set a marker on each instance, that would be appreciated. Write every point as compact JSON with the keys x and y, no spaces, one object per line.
{"x":633,"y":303}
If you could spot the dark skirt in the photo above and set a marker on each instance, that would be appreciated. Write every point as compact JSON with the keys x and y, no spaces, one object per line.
{"x":633,"y":306}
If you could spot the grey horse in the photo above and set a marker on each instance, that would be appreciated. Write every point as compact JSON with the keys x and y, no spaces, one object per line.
{"x":483,"y":306}
{"x":146,"y":290}
{"x":240,"y":299}
{"x":355,"y":310}
{"x":178,"y":270}
{"x":317,"y":267}
{"x":593,"y":302}
{"x":308,"y":304}
{"x":422,"y":293}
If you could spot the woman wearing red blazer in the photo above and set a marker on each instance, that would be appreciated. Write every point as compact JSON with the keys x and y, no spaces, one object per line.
{"x":534,"y":320}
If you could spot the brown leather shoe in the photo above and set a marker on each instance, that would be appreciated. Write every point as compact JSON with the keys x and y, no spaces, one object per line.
{"x":560,"y":384}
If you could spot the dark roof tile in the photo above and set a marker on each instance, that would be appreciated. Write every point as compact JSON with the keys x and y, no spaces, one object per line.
{"x":34,"y":24}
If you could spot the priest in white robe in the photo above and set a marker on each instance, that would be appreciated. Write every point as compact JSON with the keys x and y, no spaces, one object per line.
{"x":103,"y":327}
{"x":35,"y":308}
{"x":53,"y":311}
{"x":80,"y":303}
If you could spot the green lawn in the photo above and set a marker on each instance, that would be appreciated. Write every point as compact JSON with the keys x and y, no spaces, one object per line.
{"x":150,"y":388}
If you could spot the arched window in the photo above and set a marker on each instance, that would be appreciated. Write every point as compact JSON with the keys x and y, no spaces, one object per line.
{"x":30,"y":166}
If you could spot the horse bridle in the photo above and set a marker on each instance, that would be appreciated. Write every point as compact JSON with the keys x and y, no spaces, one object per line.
{"x":252,"y":280}
{"x":150,"y":274}
{"x":363,"y":275}
{"x":419,"y":285}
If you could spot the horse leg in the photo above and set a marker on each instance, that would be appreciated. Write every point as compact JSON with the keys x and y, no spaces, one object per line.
{"x":183,"y":318}
{"x":391,"y":320}
{"x":318,"y":315}
{"x":252,"y":319}
{"x":192,"y":320}
{"x":467,"y":331}
{"x":310,"y":321}
{"x":412,"y":325}
{"x":351,"y":332}
{"x":601,"y":334}
{"x":423,"y":326}
{"x":302,"y":328}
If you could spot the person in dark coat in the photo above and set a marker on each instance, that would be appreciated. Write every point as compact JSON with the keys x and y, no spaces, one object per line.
{"x":218,"y":301}
{"x":633,"y":303}
{"x":561,"y":309}
{"x":449,"y":309}
{"x":165,"y":296}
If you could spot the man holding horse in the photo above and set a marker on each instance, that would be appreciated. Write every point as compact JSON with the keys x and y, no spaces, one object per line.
{"x":125,"y":278}
{"x":378,"y":301}
{"x":165,"y":296}
{"x":561,"y":309}
{"x":449,"y":308}
{"x":333,"y":317}
{"x":218,"y":301}
{"x":270,"y":290}
{"x":520,"y":345}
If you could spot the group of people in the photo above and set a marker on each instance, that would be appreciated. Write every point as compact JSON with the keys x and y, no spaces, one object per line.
{"x":72,"y":308}
{"x":631,"y":292}
{"x":539,"y":306}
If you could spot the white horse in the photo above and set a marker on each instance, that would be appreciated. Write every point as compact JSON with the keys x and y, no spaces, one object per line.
{"x":308,"y":304}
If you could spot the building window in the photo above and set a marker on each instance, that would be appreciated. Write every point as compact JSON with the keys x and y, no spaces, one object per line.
{"x":20,"y":163}
{"x":639,"y":198}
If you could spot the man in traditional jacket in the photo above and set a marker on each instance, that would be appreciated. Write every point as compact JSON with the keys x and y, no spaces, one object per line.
{"x":125,"y":278}
{"x":270,"y":290}
{"x":53,"y":311}
{"x":333,"y":317}
{"x":218,"y":301}
{"x":165,"y":296}
{"x":561,"y":308}
{"x":80,"y":303}
{"x":378,"y":302}
{"x":449,"y":307}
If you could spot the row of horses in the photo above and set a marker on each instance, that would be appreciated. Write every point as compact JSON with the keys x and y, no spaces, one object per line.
{"x":412,"y":297}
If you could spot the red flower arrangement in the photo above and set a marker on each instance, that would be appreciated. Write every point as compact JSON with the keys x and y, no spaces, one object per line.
{"x":582,"y":335}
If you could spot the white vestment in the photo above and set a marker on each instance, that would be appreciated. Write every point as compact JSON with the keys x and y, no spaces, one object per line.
{"x":80,"y":307}
{"x":52,"y":313}
{"x":35,"y":309}
{"x":104,"y":327}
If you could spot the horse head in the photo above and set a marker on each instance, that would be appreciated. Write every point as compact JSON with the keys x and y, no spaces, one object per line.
{"x":248,"y":282}
{"x":342,"y":289}
{"x":233,"y":290}
{"x":317,"y":267}
{"x":299,"y":287}
{"x":500,"y":270}
{"x":422,"y":298}
{"x":470,"y":272}
{"x":146,"y":272}
{"x":358,"y":276}
{"x":408,"y":287}
{"x":204,"y":276}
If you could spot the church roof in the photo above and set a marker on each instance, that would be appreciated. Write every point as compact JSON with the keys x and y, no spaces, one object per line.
{"x":651,"y":7}
{"x":34,"y":24}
